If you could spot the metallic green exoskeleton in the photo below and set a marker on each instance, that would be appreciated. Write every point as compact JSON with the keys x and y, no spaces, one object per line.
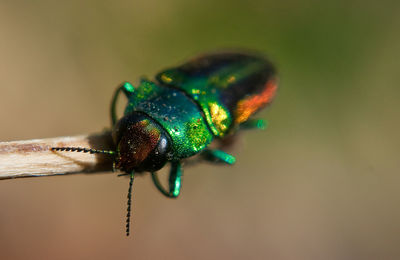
{"x":183,"y":110}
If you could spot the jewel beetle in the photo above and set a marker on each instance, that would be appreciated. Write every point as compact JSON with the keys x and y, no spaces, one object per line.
{"x":185,"y":108}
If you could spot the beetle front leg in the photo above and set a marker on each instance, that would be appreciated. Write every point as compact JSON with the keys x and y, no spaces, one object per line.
{"x":254,"y":123}
{"x":127,"y":89}
{"x":174,"y":181}
{"x":218,"y":156}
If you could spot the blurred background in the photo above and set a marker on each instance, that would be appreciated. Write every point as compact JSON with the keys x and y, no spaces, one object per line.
{"x":321,"y":183}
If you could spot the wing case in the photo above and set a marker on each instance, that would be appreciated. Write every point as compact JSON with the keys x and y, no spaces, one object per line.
{"x":229,"y":87}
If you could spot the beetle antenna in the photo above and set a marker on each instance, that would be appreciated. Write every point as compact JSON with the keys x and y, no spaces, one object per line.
{"x":83,"y":150}
{"x":128,"y":214}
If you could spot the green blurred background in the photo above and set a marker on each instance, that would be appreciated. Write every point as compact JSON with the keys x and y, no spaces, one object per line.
{"x":321,"y":183}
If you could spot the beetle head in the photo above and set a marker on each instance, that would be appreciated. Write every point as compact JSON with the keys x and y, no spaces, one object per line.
{"x":141,"y":144}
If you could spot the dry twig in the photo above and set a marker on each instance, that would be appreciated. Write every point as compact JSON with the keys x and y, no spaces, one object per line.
{"x":33,"y":158}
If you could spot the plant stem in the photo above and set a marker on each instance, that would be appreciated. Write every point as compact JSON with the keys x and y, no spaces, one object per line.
{"x":32,"y":158}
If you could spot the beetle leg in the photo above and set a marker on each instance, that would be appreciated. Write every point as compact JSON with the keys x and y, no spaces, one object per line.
{"x":127,"y":89}
{"x":175,"y":180}
{"x":218,"y":156}
{"x":123,"y":174}
{"x":254,"y":123}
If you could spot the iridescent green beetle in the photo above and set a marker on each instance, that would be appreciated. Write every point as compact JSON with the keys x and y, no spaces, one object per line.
{"x":180,"y":113}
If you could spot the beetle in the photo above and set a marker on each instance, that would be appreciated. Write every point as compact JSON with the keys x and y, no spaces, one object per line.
{"x":183,"y":110}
